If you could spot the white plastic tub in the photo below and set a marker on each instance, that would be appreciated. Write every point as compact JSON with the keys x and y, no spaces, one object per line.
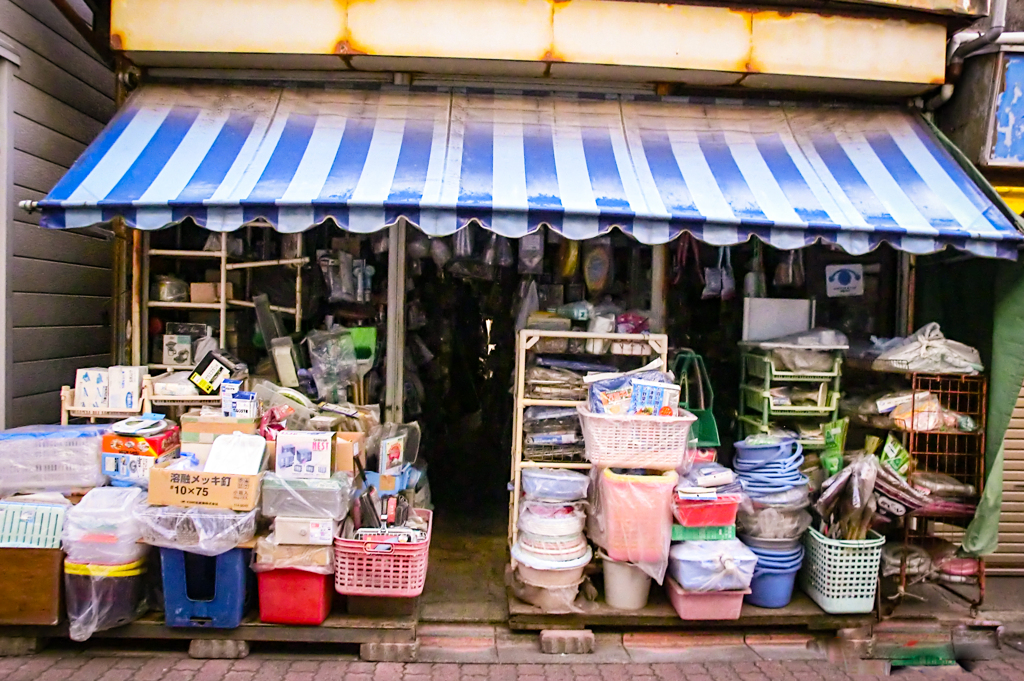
{"x":626,"y":586}
{"x":536,"y":571}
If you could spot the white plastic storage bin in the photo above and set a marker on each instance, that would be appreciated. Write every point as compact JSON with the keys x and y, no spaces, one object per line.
{"x":57,"y":458}
{"x":841,"y":576}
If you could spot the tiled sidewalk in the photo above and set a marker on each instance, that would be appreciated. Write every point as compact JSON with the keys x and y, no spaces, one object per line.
{"x":73,"y":666}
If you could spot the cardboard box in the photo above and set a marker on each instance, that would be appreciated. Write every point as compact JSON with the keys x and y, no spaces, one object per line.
{"x":125,"y":387}
{"x":206,"y":429}
{"x":305,"y":531}
{"x":304,"y":454}
{"x":91,"y":388}
{"x":178,"y":350}
{"x":133,"y":468}
{"x":209,"y":292}
{"x":30,"y":592}
{"x":212,"y":490}
{"x":152,"y":446}
{"x":347,"y":447}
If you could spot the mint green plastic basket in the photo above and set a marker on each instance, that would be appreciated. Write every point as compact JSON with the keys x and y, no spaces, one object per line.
{"x":841,"y":576}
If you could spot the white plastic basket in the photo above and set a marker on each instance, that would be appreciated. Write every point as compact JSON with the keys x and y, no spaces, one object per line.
{"x":655,"y":442}
{"x":841,"y":576}
{"x":50,"y":463}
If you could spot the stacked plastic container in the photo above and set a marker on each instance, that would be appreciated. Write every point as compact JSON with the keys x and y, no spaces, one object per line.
{"x":773,"y":522}
{"x":104,"y":571}
{"x":295,"y":563}
{"x":205,"y":573}
{"x":635,"y":451}
{"x":551,"y":551}
{"x":709,"y":571}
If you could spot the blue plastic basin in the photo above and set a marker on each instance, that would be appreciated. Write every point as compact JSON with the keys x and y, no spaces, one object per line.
{"x":771,"y":588}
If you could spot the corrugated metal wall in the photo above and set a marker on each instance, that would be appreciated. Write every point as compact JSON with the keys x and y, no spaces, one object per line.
{"x":60,"y":283}
{"x":1010,"y":556}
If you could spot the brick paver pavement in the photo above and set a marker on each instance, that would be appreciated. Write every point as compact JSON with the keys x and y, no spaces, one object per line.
{"x":134,"y":666}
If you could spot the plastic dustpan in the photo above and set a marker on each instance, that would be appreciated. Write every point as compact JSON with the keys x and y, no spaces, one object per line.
{"x":365,"y":340}
{"x":696,"y":396}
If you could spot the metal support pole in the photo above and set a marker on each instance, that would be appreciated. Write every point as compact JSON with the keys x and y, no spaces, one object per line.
{"x":394,"y":380}
{"x":905,"y":294}
{"x":135,"y":333}
{"x":659,"y":263}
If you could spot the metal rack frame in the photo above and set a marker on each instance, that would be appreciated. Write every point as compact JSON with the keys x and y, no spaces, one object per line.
{"x":762,"y":366}
{"x":966,"y":395}
{"x":526,"y":340}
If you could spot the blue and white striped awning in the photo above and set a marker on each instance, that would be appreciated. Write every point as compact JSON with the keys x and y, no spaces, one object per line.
{"x":293,"y":158}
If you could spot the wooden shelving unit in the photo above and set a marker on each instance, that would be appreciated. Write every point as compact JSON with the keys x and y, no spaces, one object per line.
{"x":141,"y":288}
{"x":634,"y":345}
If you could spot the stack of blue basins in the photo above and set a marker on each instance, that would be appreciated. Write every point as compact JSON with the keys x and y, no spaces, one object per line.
{"x":774,"y":575}
{"x":769,"y":466}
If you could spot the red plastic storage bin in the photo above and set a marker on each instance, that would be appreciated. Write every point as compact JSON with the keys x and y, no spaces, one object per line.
{"x":705,"y":605}
{"x":294,"y":596}
{"x":717,"y":513}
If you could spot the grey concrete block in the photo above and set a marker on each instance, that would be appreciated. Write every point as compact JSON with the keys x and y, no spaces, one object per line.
{"x":17,"y":646}
{"x":389,"y":652}
{"x":567,"y":642}
{"x":218,"y":649}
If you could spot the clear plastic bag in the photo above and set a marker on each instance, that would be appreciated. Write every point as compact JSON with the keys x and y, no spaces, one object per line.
{"x":269,"y":555}
{"x":307,"y":498}
{"x":712,"y":565}
{"x":168,"y":289}
{"x":773,"y":523}
{"x":630,"y":517}
{"x":105,"y":514}
{"x":101,"y":597}
{"x":560,"y":600}
{"x":337,"y":270}
{"x":941,"y":485}
{"x":551,"y":484}
{"x":206,"y":531}
{"x":333,"y":356}
{"x":531,"y":253}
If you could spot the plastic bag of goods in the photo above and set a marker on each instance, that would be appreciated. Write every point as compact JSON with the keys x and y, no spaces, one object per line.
{"x":631,"y":516}
{"x":205,"y":531}
{"x":101,"y":528}
{"x":100,"y":597}
{"x":712,"y":565}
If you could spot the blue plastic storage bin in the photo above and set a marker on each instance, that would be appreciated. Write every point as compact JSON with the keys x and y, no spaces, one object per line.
{"x":200,"y":591}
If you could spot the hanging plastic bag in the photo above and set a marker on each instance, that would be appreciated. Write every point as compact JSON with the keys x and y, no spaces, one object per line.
{"x":333,"y":356}
{"x":598,"y":263}
{"x":440,"y":252}
{"x":505,"y":256}
{"x":463,"y":242}
{"x":531,"y":253}
{"x":728,"y":278}
{"x":418,"y":247}
{"x":713,"y":280}
{"x":784,"y":274}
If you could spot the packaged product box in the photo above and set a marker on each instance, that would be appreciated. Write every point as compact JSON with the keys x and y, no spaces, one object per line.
{"x":124,"y":392}
{"x":304,"y":454}
{"x":228,"y":388}
{"x":347,"y":448}
{"x":152,"y":445}
{"x":212,"y":369}
{"x":92,"y":388}
{"x":311,"y":531}
{"x":208,"y":292}
{"x":177,"y":350}
{"x":243,"y":405}
{"x":212,"y":490}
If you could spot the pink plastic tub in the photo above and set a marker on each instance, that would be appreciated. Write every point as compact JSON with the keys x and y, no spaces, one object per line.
{"x":705,"y":605}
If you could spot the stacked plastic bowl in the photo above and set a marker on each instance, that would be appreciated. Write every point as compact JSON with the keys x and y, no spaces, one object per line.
{"x":551,"y":550}
{"x":769,"y":469}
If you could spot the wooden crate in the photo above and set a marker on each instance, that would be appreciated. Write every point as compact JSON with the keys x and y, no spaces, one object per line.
{"x":32,"y":586}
